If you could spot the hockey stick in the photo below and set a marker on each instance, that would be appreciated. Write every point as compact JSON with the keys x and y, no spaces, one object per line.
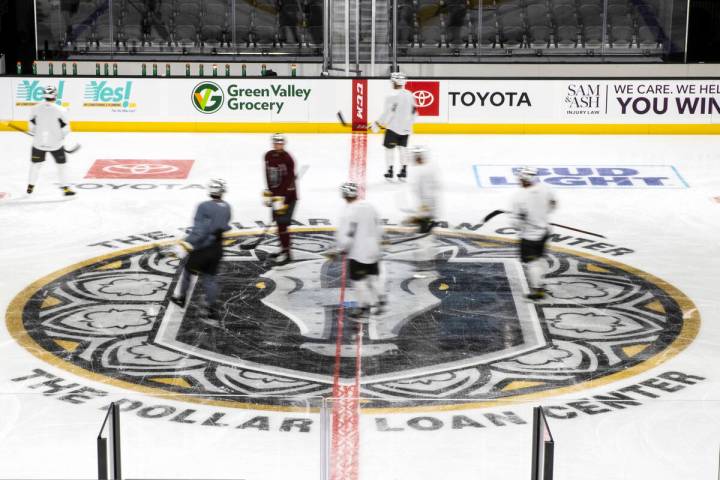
{"x":251,"y":244}
{"x":491,"y":215}
{"x":409,"y":239}
{"x":495,"y":213}
{"x":18,"y":129}
{"x":344,"y":123}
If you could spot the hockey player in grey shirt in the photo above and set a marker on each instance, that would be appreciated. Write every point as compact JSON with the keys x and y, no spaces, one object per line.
{"x":205,"y":246}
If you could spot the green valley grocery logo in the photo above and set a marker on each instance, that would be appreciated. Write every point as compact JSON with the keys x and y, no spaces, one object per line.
{"x":207,"y":97}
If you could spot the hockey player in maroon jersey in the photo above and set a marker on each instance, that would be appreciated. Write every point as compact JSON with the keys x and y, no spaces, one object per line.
{"x":281,"y":193}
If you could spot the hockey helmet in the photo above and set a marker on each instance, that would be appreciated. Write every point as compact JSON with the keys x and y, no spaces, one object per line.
{"x":278,"y":138}
{"x":349,"y":190}
{"x":217,"y":187}
{"x":527,"y":174}
{"x":398,"y":79}
{"x":418,"y":151}
{"x":50,"y":93}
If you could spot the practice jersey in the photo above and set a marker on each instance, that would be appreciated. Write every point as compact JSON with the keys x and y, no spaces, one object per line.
{"x":49,"y":126}
{"x":531,"y":210}
{"x":280,"y":174}
{"x":359,"y":232}
{"x":399,"y":112}
{"x":425,"y":186}
{"x":211,"y":220}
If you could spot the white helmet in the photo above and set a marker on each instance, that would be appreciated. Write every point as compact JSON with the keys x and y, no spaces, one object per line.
{"x":217,"y":187}
{"x":398,"y":78}
{"x":349,"y":190}
{"x":418,"y":151}
{"x":50,"y":93}
{"x":278,"y":138}
{"x":527,"y":174}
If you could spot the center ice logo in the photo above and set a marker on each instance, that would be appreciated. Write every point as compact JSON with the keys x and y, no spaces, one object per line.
{"x":463,"y":333}
{"x":103,"y":94}
{"x":30,"y":92}
{"x":207,"y":97}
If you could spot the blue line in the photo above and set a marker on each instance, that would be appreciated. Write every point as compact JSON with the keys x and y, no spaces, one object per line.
{"x":680,"y":176}
{"x":477,"y":176}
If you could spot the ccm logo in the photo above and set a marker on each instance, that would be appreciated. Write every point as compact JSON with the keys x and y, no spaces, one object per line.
{"x":359,"y":101}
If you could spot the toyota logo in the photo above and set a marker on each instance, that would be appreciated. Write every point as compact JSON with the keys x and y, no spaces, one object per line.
{"x":140,"y":169}
{"x":423,"y":98}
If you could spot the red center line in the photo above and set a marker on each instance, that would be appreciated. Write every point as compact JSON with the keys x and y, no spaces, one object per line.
{"x":346,"y":410}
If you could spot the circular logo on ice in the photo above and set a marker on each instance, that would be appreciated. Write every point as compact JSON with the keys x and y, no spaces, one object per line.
{"x":207,"y":97}
{"x":139,"y":169}
{"x":464,"y":331}
{"x":423,"y":98}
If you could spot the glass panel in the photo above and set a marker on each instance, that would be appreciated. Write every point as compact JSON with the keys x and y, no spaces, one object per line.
{"x":292,"y":27}
{"x":595,"y":438}
{"x":213,"y":438}
{"x":542,"y":30}
{"x":441,"y":30}
{"x":52,"y":435}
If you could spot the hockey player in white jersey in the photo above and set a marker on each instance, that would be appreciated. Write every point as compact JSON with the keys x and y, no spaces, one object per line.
{"x":49,"y":126}
{"x":424,"y":189}
{"x":397,"y":119}
{"x":359,"y":236}
{"x":531,"y":208}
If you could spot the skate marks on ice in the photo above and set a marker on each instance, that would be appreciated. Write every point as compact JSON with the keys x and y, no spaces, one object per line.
{"x":462,"y":332}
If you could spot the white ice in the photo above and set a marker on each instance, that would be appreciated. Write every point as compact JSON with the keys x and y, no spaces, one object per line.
{"x":674,"y":232}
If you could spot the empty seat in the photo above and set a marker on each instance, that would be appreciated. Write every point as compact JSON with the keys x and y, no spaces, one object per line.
{"x":511,"y":19}
{"x":537,"y":15}
{"x":187,"y":13}
{"x":649,"y":37}
{"x":101,"y":32}
{"x":564,"y":15}
{"x":540,"y":36}
{"x":621,"y":36}
{"x":512,"y":37}
{"x":212,"y":35}
{"x":133,"y":35}
{"x":488,"y":35}
{"x":592,"y":36}
{"x":432,"y":32}
{"x":185,"y":34}
{"x":159,"y":33}
{"x":566,"y":36}
{"x":166,"y":12}
{"x":509,"y":8}
{"x":78,"y":33}
{"x":216,"y":9}
{"x":242,"y":31}
{"x":590,"y":15}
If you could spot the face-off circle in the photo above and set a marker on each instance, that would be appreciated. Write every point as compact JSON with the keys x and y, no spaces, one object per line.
{"x":465,"y":332}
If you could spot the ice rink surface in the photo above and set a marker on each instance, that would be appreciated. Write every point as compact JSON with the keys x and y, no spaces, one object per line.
{"x":637,"y":386}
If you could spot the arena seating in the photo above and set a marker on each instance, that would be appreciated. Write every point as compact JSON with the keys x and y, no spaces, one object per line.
{"x":424,"y":27}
